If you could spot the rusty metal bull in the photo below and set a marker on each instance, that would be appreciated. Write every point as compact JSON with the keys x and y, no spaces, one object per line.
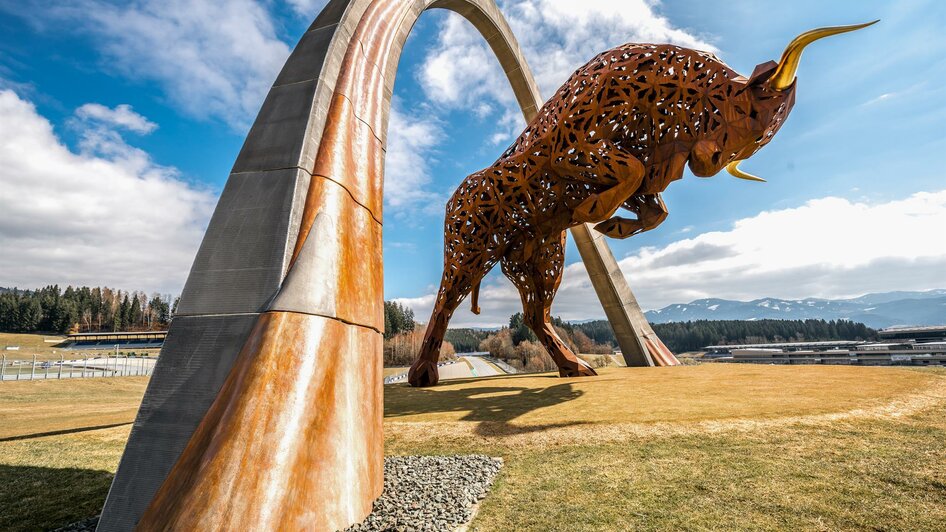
{"x":616,"y":134}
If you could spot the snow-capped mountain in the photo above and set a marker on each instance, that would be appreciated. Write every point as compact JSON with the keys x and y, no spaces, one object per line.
{"x":874,"y":310}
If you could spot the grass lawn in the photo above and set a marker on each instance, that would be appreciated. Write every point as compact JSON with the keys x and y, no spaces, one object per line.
{"x":32,"y":344}
{"x":40,"y":407}
{"x":716,"y":446}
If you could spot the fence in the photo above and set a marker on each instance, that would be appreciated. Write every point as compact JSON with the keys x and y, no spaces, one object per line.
{"x":100,"y":366}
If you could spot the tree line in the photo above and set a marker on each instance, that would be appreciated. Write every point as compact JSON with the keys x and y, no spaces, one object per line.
{"x":397,"y":319}
{"x":403,"y":336}
{"x":82,"y":309}
{"x":466,"y":340}
{"x":686,"y":336}
{"x":516,"y":344}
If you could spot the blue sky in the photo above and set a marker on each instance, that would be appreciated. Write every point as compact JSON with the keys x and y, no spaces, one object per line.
{"x":119,"y":123}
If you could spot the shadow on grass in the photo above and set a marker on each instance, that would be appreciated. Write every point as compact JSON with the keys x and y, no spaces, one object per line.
{"x":44,"y":498}
{"x":63,"y":431}
{"x":492,"y":407}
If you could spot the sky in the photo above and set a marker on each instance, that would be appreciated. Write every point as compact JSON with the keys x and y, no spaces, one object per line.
{"x":119,"y":122}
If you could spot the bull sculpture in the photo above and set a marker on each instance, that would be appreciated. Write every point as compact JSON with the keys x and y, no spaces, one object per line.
{"x":615,"y":135}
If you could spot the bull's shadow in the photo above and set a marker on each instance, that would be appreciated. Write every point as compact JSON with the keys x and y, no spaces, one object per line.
{"x":493,"y":408}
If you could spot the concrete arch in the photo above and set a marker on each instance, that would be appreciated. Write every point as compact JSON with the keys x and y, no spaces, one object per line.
{"x":277,"y":338}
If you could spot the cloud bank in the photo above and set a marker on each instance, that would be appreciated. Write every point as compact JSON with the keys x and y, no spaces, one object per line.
{"x":106,"y":214}
{"x":214,"y":59}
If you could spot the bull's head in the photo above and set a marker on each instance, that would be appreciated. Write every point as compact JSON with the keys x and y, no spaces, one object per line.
{"x":756,"y":110}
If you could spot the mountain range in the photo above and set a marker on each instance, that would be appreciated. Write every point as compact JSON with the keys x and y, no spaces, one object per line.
{"x":886,"y":309}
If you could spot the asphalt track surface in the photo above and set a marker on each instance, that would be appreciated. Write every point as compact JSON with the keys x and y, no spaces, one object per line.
{"x":467,"y":367}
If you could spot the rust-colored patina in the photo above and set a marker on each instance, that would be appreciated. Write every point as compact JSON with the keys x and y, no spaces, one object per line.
{"x":294,"y":439}
{"x":615,"y":135}
{"x":290,"y":442}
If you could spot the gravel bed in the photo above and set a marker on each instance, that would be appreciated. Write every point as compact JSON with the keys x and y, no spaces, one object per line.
{"x":430,"y":492}
{"x":421,"y":493}
{"x":86,"y":525}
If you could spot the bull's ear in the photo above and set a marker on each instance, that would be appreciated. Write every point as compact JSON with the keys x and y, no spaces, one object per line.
{"x":762,"y":72}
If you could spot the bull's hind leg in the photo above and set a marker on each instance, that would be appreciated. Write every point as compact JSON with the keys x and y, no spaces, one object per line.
{"x":537,"y":279}
{"x":459,"y":279}
{"x":454,"y":286}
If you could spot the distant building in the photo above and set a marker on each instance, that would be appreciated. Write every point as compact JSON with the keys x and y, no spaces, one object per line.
{"x":902,"y":346}
{"x":109,"y":340}
{"x":936,"y":333}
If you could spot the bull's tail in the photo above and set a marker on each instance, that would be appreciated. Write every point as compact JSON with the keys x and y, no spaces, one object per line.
{"x":475,"y":298}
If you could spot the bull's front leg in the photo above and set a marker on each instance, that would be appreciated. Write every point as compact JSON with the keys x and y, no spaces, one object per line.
{"x":651,"y":212}
{"x":600,"y":162}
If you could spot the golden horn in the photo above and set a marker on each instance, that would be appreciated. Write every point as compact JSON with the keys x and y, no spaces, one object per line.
{"x":787,"y":66}
{"x":733,"y":168}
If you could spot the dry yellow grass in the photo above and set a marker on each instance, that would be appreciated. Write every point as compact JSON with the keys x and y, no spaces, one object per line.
{"x":711,"y":447}
{"x":32,"y":344}
{"x":37,"y":407}
{"x":388,"y":371}
{"x":654,"y":395}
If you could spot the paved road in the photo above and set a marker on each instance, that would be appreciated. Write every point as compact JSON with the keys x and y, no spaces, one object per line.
{"x":481,"y":368}
{"x":465,"y":368}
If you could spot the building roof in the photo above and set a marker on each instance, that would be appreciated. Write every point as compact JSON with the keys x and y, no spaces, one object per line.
{"x":788,"y":345}
{"x":923,"y":329}
{"x":116,"y":335}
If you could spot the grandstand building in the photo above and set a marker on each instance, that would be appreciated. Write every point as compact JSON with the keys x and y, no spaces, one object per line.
{"x":111,"y":340}
{"x":936,"y":333}
{"x":901,"y":346}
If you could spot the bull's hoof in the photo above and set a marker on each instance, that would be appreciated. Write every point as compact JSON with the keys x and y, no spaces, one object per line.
{"x":423,"y":373}
{"x":576,"y":369}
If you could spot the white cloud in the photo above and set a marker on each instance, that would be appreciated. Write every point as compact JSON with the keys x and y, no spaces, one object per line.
{"x":407,"y":180}
{"x":830,"y":247}
{"x":105,"y":215}
{"x":214,"y":59}
{"x":557,"y":37}
{"x":122,"y":116}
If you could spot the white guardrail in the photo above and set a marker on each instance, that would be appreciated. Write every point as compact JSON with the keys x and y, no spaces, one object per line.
{"x":100,"y":366}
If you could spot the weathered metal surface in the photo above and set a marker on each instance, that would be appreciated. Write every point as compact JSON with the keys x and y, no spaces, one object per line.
{"x":179,"y":393}
{"x":615,"y":135}
{"x":293,"y":440}
{"x":245,"y":253}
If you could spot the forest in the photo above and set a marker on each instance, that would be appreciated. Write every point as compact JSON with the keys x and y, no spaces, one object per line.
{"x":686,"y":336}
{"x":82,"y":309}
{"x":517,"y":345}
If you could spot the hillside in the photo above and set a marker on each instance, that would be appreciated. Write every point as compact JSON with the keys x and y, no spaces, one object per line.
{"x":874,"y":310}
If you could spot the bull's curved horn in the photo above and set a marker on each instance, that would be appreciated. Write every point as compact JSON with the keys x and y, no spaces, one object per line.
{"x":787,"y":66}
{"x":733,"y":168}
